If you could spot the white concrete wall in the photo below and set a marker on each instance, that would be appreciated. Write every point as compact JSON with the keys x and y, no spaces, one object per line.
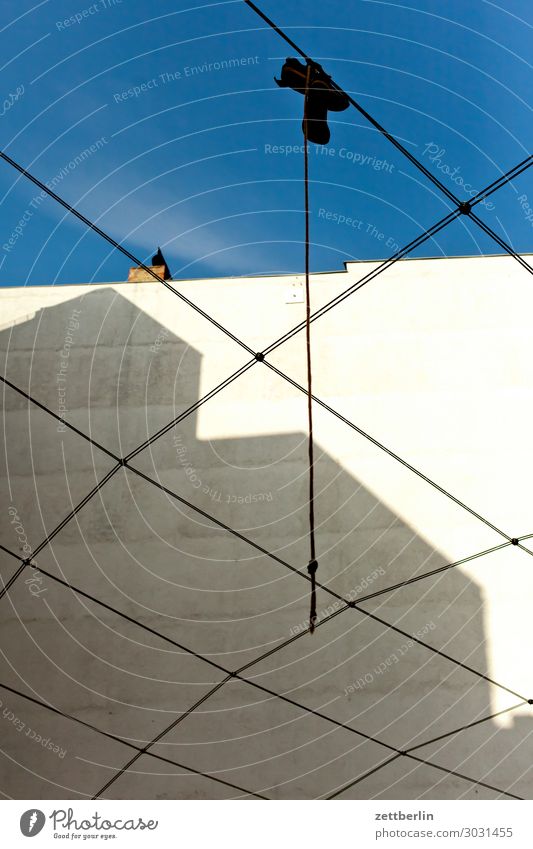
{"x":432,"y":359}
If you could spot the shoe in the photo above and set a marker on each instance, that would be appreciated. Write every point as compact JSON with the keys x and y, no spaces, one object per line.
{"x":322,"y":97}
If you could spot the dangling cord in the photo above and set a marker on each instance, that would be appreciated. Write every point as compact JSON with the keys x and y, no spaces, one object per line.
{"x":313,"y":565}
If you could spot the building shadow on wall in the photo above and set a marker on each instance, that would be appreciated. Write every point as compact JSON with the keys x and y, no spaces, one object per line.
{"x":117,"y":374}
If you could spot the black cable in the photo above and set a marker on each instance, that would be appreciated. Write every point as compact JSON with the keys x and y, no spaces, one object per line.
{"x":498,"y":239}
{"x":438,"y":652}
{"x":58,"y":528}
{"x":260,"y":687}
{"x":8,"y":551}
{"x":407,"y":752}
{"x":59,"y":418}
{"x":237,"y":674}
{"x":122,"y":249}
{"x":359,"y":108}
{"x":362,"y":777}
{"x":218,"y":522}
{"x":322,"y":311}
{"x":127,"y":743}
{"x":415,"y":243}
{"x":156,"y":739}
{"x":76,"y":509}
{"x":270,"y":652}
{"x":433,"y":572}
{"x":388,"y":451}
{"x":326,"y":589}
{"x":367,"y":278}
{"x":451,"y":196}
{"x":247,"y":540}
{"x":501,"y":181}
{"x":229,"y":380}
{"x":466,"y":778}
{"x":435,"y":766}
{"x":465,"y":727}
{"x":192,"y":409}
{"x":312,"y":565}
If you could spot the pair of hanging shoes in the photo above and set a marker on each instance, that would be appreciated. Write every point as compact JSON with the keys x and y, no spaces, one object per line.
{"x":322,"y":97}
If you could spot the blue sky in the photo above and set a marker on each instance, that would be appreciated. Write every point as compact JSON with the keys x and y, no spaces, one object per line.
{"x":166,"y":127}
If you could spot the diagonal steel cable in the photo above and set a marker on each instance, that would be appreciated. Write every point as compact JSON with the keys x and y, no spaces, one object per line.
{"x":432,"y":572}
{"x":360,"y":778}
{"x":388,"y":451}
{"x":257,"y":546}
{"x":237,"y":675}
{"x":289,"y":335}
{"x":8,"y":584}
{"x":359,"y":108}
{"x":498,"y":239}
{"x":49,"y":537}
{"x":415,"y":243}
{"x":346,"y":604}
{"x":59,"y":419}
{"x":515,"y":171}
{"x":367,"y":278}
{"x":92,"y":226}
{"x":192,"y":409}
{"x":462,"y":206}
{"x":306,"y":576}
{"x":313,"y":564}
{"x":489,"y":232}
{"x":109,"y":736}
{"x":340,"y":790}
{"x":146,"y":749}
{"x":468,"y":725}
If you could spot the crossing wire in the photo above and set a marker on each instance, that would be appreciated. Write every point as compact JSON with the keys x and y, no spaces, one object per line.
{"x":359,"y":108}
{"x":290,"y":334}
{"x":391,"y":453}
{"x":464,"y":207}
{"x":123,"y":462}
{"x":119,"y":247}
{"x":238,"y":676}
{"x":74,"y":512}
{"x":501,"y":181}
{"x":160,"y":736}
{"x":238,"y":673}
{"x":514,"y":172}
{"x":372,"y":275}
{"x":349,"y":605}
{"x":341,"y":790}
{"x":113,"y":471}
{"x":128,"y":743}
{"x":400,"y":254}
